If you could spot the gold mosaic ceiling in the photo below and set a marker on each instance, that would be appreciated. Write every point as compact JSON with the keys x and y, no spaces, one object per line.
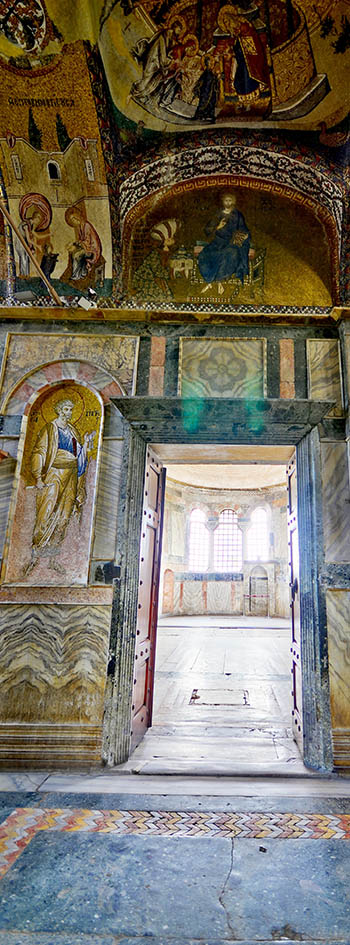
{"x":283,"y":63}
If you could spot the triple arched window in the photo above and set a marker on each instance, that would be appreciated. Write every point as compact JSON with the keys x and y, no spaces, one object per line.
{"x":221,"y":548}
{"x":228,"y":541}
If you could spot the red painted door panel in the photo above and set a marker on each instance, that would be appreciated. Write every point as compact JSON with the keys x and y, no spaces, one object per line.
{"x":147,"y":606}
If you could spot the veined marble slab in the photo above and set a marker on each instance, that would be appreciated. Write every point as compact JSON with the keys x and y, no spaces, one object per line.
{"x":338,"y":610}
{"x":324,"y":371}
{"x":222,"y":367}
{"x":107,"y":499}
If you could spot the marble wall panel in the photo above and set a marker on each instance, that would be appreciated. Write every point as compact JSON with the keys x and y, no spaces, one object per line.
{"x":168,"y":592}
{"x":193,"y":601}
{"x":52,"y":670}
{"x":347,"y":362}
{"x":336,"y":504}
{"x":7,"y":472}
{"x":105,"y":534}
{"x":222,"y":367}
{"x":156,"y":371}
{"x":219,"y":597}
{"x":338,"y":609}
{"x":176,"y":608}
{"x":237,"y":597}
{"x":24,"y":353}
{"x":287,"y":371}
{"x":324,"y":371}
{"x":177,"y":534}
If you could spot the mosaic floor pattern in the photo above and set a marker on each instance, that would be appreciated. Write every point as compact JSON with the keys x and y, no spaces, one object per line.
{"x":23,"y":824}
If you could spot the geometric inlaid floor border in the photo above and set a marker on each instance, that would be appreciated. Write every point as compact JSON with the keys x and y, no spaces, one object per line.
{"x":24,"y":823}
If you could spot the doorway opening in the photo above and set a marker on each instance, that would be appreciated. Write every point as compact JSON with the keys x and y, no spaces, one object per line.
{"x":223,"y":674}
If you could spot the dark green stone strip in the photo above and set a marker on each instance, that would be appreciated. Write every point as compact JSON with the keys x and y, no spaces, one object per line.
{"x":171,"y":367}
{"x":300,"y":368}
{"x":332,"y":429}
{"x":143,"y":367}
{"x":336,"y":576}
{"x":273,"y":369}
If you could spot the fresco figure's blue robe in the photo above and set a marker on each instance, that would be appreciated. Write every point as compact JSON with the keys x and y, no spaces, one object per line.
{"x":221,"y":258}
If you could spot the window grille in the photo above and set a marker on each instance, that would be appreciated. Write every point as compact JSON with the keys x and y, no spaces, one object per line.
{"x":257,"y":536}
{"x":228,"y":543}
{"x":198,"y":557}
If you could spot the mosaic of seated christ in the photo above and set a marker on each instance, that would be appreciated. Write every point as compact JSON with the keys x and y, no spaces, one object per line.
{"x":229,"y":246}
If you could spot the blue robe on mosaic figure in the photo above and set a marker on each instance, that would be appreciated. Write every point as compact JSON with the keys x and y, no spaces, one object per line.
{"x":222,"y":257}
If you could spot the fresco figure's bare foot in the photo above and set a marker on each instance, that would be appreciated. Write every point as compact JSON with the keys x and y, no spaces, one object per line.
{"x":206,"y":287}
{"x":221,"y":289}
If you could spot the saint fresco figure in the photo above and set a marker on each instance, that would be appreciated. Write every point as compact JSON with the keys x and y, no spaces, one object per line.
{"x":151,"y":278}
{"x":227,"y":254}
{"x":23,"y":258}
{"x":207,"y":89}
{"x":35,"y":220}
{"x":153,"y":56}
{"x":59,"y":461}
{"x":245,"y":71}
{"x":85,"y":252}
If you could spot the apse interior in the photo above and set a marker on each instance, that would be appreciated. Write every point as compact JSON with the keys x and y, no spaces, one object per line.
{"x":222,"y":690}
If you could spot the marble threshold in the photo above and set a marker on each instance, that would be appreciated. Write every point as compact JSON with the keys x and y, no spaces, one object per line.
{"x":113,"y":781}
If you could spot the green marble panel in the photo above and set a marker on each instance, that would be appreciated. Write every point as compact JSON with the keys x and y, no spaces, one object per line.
{"x":222,"y":367}
{"x":336,"y":501}
{"x":324,"y":372}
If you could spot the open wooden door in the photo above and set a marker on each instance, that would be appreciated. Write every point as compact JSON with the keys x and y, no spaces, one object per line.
{"x":293,"y":545}
{"x":147,"y":607}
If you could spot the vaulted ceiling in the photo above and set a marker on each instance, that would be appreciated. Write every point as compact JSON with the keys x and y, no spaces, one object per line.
{"x":125,"y":124}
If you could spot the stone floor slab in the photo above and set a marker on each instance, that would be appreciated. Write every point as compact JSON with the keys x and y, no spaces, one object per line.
{"x":131,"y":886}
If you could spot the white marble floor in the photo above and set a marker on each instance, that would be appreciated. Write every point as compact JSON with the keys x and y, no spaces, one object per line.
{"x":222,"y":702}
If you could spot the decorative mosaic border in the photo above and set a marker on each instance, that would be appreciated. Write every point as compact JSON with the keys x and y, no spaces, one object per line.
{"x":23,"y":824}
{"x":281,"y":169}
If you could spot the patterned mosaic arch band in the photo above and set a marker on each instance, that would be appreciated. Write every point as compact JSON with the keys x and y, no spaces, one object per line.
{"x":19,"y":399}
{"x":111,"y":360}
{"x":238,"y":161}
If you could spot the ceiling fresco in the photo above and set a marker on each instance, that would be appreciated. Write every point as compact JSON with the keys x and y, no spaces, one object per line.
{"x":192,"y":62}
{"x":175,"y":64}
{"x":111,"y":109}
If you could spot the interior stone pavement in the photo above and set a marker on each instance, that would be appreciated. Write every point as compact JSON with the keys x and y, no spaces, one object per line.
{"x":164,"y":858}
{"x":84,"y":860}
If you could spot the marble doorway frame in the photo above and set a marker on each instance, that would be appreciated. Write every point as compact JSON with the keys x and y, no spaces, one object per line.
{"x":154,"y":422}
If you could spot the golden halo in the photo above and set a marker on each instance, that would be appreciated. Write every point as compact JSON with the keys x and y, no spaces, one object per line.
{"x":64,"y":393}
{"x":191,"y":40}
{"x":182,"y":22}
{"x":227,"y":18}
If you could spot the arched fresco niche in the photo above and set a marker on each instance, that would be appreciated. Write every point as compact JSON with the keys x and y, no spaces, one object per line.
{"x":230,"y":241}
{"x":51,"y":520}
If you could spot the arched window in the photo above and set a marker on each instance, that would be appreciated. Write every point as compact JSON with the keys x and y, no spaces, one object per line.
{"x":53,"y":170}
{"x":258,"y":536}
{"x":228,"y":542}
{"x":198,"y":557}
